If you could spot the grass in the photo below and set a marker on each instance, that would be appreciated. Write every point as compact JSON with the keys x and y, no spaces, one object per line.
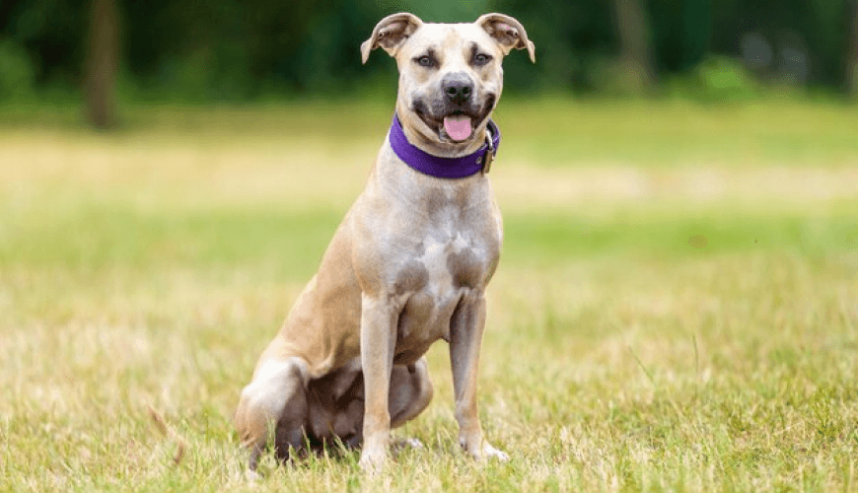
{"x":676,"y":306}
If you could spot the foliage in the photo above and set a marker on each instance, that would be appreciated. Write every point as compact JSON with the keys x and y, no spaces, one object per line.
{"x":17,"y":73}
{"x":716,"y":79}
{"x":233,"y":50}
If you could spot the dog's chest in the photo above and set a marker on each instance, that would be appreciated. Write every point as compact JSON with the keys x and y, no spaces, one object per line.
{"x":451,"y":259}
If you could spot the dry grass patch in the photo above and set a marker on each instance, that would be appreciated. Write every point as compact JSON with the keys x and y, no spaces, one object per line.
{"x":145,"y":271}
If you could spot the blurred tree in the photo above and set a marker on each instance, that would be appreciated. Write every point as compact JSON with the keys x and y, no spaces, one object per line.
{"x":52,"y":34}
{"x":682,"y":33}
{"x":635,"y":41}
{"x":102,"y":63}
{"x":16,"y":72}
{"x":852,"y":50}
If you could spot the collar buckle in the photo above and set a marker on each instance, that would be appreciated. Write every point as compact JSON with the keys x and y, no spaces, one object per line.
{"x":489,"y":155}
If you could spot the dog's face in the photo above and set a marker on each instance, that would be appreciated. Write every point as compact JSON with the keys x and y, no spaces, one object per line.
{"x":450,"y":74}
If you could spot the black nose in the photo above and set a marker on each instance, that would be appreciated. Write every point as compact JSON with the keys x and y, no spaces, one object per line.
{"x":458,"y":90}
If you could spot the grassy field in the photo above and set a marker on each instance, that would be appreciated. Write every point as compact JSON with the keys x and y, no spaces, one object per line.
{"x":676,"y":306}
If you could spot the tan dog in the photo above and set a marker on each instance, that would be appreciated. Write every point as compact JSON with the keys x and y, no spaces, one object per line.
{"x":408,"y":265}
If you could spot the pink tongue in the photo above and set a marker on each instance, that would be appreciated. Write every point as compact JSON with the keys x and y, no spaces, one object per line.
{"x":458,"y":127}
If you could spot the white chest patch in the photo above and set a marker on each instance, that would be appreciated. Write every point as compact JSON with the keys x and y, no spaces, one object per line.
{"x":437,"y":260}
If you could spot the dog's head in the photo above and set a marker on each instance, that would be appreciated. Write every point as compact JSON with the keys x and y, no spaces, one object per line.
{"x":450,"y":74}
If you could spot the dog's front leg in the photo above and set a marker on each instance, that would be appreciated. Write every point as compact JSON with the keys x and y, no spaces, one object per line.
{"x":466,"y":333}
{"x":377,"y":342}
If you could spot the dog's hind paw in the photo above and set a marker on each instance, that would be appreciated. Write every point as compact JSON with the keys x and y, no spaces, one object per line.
{"x":407,"y":443}
{"x":490,"y":452}
{"x":252,"y":476}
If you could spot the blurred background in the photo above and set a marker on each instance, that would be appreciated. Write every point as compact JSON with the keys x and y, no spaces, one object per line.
{"x":119,"y":51}
{"x":679,"y":185}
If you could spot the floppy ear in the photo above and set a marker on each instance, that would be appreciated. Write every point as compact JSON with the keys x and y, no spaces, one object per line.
{"x":508,"y":33}
{"x":389,"y":33}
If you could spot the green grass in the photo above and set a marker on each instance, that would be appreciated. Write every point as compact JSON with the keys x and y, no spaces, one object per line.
{"x":676,"y":306}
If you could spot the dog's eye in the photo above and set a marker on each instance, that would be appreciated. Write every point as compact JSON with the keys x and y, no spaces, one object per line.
{"x":425,"y":61}
{"x":481,"y":59}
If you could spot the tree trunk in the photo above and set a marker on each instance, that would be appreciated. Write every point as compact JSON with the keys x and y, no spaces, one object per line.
{"x":635,"y":40}
{"x":102,"y":63}
{"x":852,"y":51}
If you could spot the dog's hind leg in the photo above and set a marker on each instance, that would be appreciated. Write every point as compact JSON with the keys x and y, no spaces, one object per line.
{"x":410,"y":392}
{"x":273,"y":405}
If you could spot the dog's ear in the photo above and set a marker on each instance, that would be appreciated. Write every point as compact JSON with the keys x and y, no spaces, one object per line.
{"x":508,"y":33}
{"x":389,"y":33}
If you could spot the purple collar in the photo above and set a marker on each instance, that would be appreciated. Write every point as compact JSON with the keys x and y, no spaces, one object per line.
{"x":442,"y":167}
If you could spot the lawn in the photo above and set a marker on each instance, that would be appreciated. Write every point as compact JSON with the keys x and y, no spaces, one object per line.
{"x":676,"y":306}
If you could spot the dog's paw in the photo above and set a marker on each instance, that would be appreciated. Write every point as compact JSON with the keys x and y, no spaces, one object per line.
{"x":407,"y":443}
{"x":481,"y":450}
{"x":490,"y":452}
{"x":252,"y":476}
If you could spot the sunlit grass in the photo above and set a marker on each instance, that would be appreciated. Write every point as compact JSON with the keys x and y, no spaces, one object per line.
{"x":676,"y":306}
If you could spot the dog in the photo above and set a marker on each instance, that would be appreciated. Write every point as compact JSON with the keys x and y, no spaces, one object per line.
{"x":408,"y":265}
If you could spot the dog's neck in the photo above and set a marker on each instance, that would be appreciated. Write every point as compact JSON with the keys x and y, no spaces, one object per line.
{"x":443,"y":167}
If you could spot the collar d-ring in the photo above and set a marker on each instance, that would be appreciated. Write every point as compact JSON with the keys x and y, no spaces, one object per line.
{"x":490,"y":152}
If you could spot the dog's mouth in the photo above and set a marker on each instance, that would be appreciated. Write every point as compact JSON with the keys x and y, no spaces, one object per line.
{"x":457,"y":125}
